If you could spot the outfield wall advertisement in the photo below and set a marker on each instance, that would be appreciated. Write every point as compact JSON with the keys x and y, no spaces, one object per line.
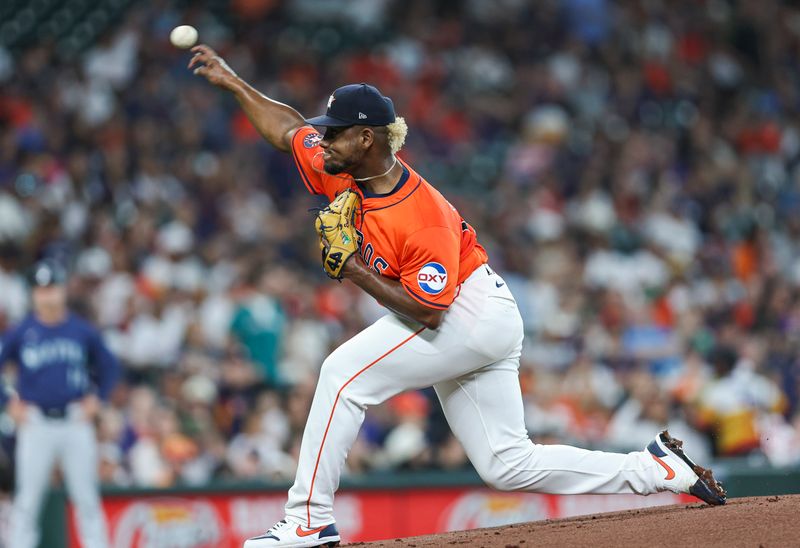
{"x":224,"y":520}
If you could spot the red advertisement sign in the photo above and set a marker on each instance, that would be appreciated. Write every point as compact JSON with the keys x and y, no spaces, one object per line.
{"x":225,"y":520}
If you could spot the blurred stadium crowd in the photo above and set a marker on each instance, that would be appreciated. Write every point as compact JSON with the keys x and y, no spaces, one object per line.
{"x":631,"y":167}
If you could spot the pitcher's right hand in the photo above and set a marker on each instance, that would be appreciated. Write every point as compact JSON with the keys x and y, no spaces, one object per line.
{"x":207,"y":63}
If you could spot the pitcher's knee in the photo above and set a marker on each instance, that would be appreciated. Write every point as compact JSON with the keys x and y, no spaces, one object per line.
{"x":331,"y":373}
{"x":511,"y":468}
{"x":500,"y":474}
{"x":333,"y":378}
{"x":491,"y":480}
{"x":499,"y":477}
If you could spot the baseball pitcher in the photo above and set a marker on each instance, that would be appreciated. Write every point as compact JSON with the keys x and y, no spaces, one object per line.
{"x":453,"y":323}
{"x":64,"y":371}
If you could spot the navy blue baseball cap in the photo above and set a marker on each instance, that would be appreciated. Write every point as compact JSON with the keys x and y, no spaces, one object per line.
{"x":46,"y":273}
{"x":356,"y":104}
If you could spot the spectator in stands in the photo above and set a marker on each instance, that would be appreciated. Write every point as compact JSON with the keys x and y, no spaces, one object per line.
{"x":733,"y":402}
{"x":259,"y":322}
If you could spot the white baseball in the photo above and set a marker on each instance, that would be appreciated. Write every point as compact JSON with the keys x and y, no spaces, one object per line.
{"x":183,"y":36}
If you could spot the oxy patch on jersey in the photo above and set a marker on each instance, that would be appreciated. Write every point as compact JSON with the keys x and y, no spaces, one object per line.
{"x":432,"y":278}
{"x":311,"y":140}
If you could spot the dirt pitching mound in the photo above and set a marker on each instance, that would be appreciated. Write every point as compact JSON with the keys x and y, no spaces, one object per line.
{"x":757,"y":521}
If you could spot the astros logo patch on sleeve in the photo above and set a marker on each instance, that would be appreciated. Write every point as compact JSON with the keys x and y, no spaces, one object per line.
{"x":311,"y":140}
{"x":432,"y":278}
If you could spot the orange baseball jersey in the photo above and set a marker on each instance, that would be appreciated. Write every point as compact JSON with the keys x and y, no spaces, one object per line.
{"x":412,"y":234}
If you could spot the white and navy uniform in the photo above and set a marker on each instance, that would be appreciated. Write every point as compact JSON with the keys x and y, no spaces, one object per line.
{"x":57,"y":366}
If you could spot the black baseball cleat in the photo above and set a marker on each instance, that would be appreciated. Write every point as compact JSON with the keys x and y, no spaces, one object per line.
{"x":683,"y":475}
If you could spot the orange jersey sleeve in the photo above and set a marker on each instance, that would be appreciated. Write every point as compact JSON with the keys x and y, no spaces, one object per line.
{"x":308,"y":158}
{"x":429,"y":266}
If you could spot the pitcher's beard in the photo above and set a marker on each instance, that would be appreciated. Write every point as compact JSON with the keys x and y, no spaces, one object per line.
{"x":333,"y":167}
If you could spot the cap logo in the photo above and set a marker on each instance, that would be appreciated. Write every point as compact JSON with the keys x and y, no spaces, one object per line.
{"x":362,"y":116}
{"x":331,"y":99}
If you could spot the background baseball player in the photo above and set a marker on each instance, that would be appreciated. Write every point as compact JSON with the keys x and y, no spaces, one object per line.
{"x":454,"y":323}
{"x":64,"y":371}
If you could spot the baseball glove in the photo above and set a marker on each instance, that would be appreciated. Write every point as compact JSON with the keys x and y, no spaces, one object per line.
{"x":335,"y":225}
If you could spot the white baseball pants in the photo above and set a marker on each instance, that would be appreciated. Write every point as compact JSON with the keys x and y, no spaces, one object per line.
{"x":41,"y":441}
{"x":472,"y":361}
